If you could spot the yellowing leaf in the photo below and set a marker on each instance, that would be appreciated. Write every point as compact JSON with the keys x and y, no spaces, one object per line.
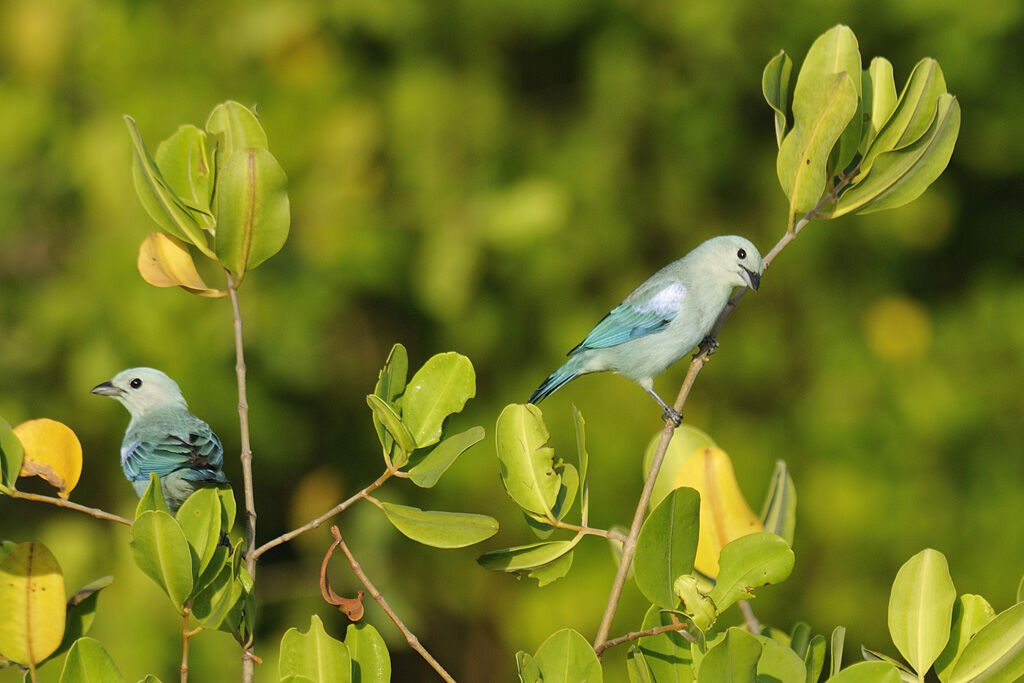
{"x":32,"y":598}
{"x":164,"y":261}
{"x":724,"y":513}
{"x":52,"y":451}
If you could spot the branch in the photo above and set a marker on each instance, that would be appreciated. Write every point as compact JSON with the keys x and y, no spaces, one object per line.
{"x":60,"y":502}
{"x":679,"y":627}
{"x":313,"y":524}
{"x":185,"y":635}
{"x":375,"y":594}
{"x":248,"y":663}
{"x":592,"y":531}
{"x":696,"y":364}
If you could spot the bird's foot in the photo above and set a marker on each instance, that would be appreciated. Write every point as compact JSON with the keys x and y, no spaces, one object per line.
{"x":708,"y":344}
{"x":672,"y":415}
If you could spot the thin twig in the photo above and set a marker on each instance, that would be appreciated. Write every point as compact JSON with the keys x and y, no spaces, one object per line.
{"x":60,"y":502}
{"x":248,"y":663}
{"x":753,"y":625}
{"x":696,"y":364}
{"x":604,"y":533}
{"x":679,"y":627}
{"x":375,"y":594}
{"x":313,"y":524}
{"x":186,"y":634}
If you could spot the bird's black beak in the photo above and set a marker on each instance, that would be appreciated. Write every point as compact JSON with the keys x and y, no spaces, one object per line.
{"x":753,"y":279}
{"x":106,"y":389}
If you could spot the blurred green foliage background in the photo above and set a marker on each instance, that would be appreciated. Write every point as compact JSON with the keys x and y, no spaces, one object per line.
{"x":490,"y":178}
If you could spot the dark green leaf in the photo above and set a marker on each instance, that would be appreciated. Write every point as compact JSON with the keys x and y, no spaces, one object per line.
{"x":11,"y":454}
{"x":81,"y":612}
{"x":814,"y":660}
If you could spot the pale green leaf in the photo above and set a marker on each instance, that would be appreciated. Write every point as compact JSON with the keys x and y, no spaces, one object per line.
{"x":199,"y":518}
{"x":153,"y":498}
{"x":637,"y":668}
{"x":749,"y":562}
{"x":527,"y":668}
{"x":835,"y":647}
{"x":426,"y":470}
{"x":315,"y":655}
{"x":734,"y":659}
{"x":371,"y":662}
{"x":187,"y":167}
{"x":883,"y":98}
{"x":438,"y":389}
{"x":775,"y":88}
{"x":778,"y":514}
{"x":236,"y":127}
{"x":11,"y":454}
{"x":88,"y":662}
{"x":440,"y":529}
{"x":814,"y":660}
{"x":567,"y":657}
{"x":668,"y":655}
{"x":781,"y":663}
{"x":868,"y":672}
{"x":525,"y":460}
{"x":526,"y":557}
{"x":996,"y":653}
{"x":921,"y":608}
{"x":667,"y":545}
{"x":162,"y":553}
{"x":584,"y":462}
{"x":970,"y":614}
{"x":906,"y":674}
{"x":390,"y":385}
{"x":552,"y":571}
{"x":396,"y":429}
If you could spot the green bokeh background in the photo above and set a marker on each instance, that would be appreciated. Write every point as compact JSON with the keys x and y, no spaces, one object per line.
{"x":490,"y":178}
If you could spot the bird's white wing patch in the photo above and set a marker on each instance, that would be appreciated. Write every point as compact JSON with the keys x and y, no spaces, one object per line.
{"x":667,"y":301}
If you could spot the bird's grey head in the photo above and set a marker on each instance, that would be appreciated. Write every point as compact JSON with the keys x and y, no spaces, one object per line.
{"x":141,"y":390}
{"x":737,"y":258}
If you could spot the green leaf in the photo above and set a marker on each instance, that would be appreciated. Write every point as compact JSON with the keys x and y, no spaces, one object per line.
{"x":88,"y":662}
{"x":81,"y":610}
{"x":438,"y":389}
{"x":882,"y":102}
{"x":552,"y":571}
{"x":161,"y":202}
{"x":315,"y":655}
{"x":695,"y":604}
{"x":371,"y":662}
{"x":32,"y":604}
{"x":236,"y":127}
{"x":778,"y":514}
{"x":253,"y":214}
{"x":835,"y":646}
{"x":584,"y":462}
{"x":667,"y":545}
{"x":390,"y":385}
{"x":153,"y":498}
{"x":440,"y":529}
{"x":970,"y":614}
{"x":526,"y":462}
{"x":427,"y":469}
{"x":912,"y":115}
{"x":734,"y":659}
{"x":668,"y":655}
{"x":906,"y":674}
{"x":567,"y":657}
{"x":780,"y":663}
{"x":227,"y":506}
{"x":399,"y":433}
{"x":525,"y":557}
{"x":187,"y":168}
{"x":11,"y":454}
{"x":800,"y":638}
{"x":527,"y":668}
{"x":199,"y":518}
{"x":162,"y":552}
{"x":749,"y":562}
{"x":637,"y":668}
{"x":814,"y":660}
{"x":1020,"y":590}
{"x":218,"y":604}
{"x":6,"y":547}
{"x":996,"y":653}
{"x":921,"y":607}
{"x":775,"y":88}
{"x":563,"y":503}
{"x":150,"y":678}
{"x":685,"y":441}
{"x":899,"y":177}
{"x":868,"y":672}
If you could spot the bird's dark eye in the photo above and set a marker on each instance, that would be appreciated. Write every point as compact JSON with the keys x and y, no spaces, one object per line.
{"x":135,"y":383}
{"x":742,"y":253}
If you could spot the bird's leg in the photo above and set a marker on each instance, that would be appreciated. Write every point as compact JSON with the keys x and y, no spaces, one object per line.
{"x":669,"y":413}
{"x":710,"y":343}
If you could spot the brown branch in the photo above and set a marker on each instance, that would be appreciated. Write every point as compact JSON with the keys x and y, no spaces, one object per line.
{"x":375,"y":594}
{"x":679,"y":627}
{"x":696,"y":364}
{"x":592,"y":531}
{"x":60,"y":502}
{"x":186,"y":634}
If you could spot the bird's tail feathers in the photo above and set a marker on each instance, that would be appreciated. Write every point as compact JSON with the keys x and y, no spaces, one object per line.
{"x":556,"y":379}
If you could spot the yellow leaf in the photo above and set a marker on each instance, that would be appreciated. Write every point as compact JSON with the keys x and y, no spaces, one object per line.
{"x":724,"y":513}
{"x":52,"y":451}
{"x":32,"y":602}
{"x":164,"y":261}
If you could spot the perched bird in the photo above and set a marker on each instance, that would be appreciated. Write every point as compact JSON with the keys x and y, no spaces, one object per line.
{"x":664,"y":318}
{"x":163,"y":436}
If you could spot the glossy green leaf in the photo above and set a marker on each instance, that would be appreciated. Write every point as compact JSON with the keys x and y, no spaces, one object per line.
{"x":899,"y":177}
{"x":153,"y":498}
{"x":921,"y":607}
{"x":552,"y":571}
{"x":970,"y":614}
{"x":81,"y":611}
{"x":161,"y":202}
{"x":668,"y":655}
{"x":868,"y":672}
{"x":527,"y":668}
{"x":567,"y":657}
{"x":883,"y":98}
{"x":749,"y":562}
{"x":200,"y":517}
{"x":667,"y":545}
{"x":996,"y":653}
{"x":236,"y":127}
{"x":526,"y":557}
{"x":162,"y":552}
{"x":778,"y":514}
{"x":371,"y":662}
{"x":427,"y":470}
{"x":685,"y":441}
{"x":814,"y":659}
{"x":11,"y":454}
{"x":637,"y":668}
{"x":396,"y":429}
{"x":32,"y":602}
{"x":390,"y":385}
{"x":583,"y":457}
{"x":912,"y":115}
{"x":438,"y":389}
{"x":835,"y":647}
{"x":187,"y":167}
{"x":315,"y":655}
{"x":88,"y":662}
{"x":440,"y":529}
{"x":734,"y":659}
{"x":253,"y":214}
{"x":775,"y":88}
{"x":525,"y":460}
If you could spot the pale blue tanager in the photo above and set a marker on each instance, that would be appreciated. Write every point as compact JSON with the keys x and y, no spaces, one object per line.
{"x":164,"y":437}
{"x":664,"y":318}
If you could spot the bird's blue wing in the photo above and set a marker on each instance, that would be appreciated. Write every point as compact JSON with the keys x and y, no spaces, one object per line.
{"x":641,"y":314}
{"x":197,"y":455}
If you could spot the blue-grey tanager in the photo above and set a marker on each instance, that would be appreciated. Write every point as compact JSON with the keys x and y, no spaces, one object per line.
{"x":164,"y":437}
{"x":664,"y":318}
